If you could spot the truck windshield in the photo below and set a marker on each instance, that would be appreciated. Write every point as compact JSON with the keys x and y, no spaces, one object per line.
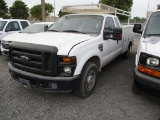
{"x":85,"y":24}
{"x":153,"y":26}
{"x":2,"y":24}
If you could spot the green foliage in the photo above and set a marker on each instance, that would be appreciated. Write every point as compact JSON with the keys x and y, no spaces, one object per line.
{"x":36,"y":11}
{"x":121,"y":4}
{"x":63,"y":13}
{"x":3,"y":8}
{"x":6,"y":17}
{"x":137,"y":18}
{"x":19,"y":10}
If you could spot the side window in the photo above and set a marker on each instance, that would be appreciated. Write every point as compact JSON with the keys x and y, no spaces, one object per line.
{"x":24,"y":24}
{"x":109,"y":22}
{"x":13,"y":26}
{"x":117,"y":22}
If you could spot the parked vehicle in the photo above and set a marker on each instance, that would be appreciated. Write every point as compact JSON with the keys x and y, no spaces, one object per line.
{"x":70,"y":54}
{"x":10,"y":26}
{"x":33,"y":28}
{"x":147,"y":70}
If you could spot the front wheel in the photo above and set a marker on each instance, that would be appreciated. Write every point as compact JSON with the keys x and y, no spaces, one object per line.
{"x":87,"y":80}
{"x":127,"y":53}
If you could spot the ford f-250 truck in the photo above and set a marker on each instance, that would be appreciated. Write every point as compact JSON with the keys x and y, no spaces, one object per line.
{"x":70,"y":54}
{"x":147,"y":70}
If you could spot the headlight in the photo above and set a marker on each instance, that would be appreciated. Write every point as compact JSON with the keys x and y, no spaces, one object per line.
{"x":152,"y":61}
{"x":66,"y":66}
{"x":67,"y":70}
{"x":149,"y":64}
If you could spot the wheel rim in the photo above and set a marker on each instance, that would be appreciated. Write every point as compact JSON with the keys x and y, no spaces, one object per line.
{"x":90,"y":80}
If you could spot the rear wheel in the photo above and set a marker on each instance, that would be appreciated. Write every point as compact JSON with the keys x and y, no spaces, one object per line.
{"x":87,"y":80}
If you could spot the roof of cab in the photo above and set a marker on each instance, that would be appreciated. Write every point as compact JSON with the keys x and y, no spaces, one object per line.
{"x":43,"y":23}
{"x":12,"y":20}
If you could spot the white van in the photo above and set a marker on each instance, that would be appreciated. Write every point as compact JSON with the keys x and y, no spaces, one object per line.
{"x":147,"y":70}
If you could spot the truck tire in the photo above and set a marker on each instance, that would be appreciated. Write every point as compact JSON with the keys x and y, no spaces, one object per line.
{"x":127,"y":53}
{"x":87,"y":80}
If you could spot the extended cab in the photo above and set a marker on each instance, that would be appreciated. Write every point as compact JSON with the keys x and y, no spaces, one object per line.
{"x":147,"y":70}
{"x":70,"y":54}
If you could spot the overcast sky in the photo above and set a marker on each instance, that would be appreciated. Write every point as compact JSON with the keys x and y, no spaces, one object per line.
{"x":139,"y":7}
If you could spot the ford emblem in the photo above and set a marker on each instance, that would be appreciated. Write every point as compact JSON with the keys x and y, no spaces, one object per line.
{"x":24,"y":59}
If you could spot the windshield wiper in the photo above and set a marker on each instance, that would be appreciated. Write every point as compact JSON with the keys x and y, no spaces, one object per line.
{"x":73,"y":31}
{"x":53,"y":30}
{"x":158,"y":34}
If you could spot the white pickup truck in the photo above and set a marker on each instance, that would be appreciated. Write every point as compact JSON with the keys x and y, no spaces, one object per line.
{"x":147,"y":70}
{"x":31,"y":29}
{"x":10,"y":26}
{"x":70,"y":54}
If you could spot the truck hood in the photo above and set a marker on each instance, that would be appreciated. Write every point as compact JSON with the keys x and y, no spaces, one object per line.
{"x":152,"y":45}
{"x":63,"y":41}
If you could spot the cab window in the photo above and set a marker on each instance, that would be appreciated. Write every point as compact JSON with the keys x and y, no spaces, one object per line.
{"x":117,"y":22}
{"x":109,"y":22}
{"x":13,"y":26}
{"x":24,"y":24}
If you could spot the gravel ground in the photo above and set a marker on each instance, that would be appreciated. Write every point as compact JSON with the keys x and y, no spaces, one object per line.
{"x":112,"y":99}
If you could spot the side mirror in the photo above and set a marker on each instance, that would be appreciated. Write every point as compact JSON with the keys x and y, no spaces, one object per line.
{"x":8,"y":29}
{"x":112,"y":33}
{"x":45,"y":28}
{"x":137,"y":28}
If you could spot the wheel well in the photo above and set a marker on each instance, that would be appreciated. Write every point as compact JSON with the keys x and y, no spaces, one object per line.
{"x":95,"y":60}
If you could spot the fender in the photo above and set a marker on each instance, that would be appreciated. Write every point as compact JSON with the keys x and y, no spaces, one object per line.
{"x":83,"y":59}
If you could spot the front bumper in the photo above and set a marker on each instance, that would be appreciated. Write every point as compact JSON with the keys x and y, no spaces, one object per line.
{"x":44,"y":83}
{"x":4,"y":51}
{"x":146,"y":80}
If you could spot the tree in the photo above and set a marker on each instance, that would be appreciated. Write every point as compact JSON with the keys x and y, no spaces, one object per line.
{"x":3,"y":8}
{"x":36,"y":11}
{"x":143,"y":19}
{"x":121,"y":4}
{"x":19,"y":10}
{"x":63,"y":13}
{"x":136,"y":19}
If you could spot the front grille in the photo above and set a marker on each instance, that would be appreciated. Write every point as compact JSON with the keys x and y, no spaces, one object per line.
{"x":34,"y":61}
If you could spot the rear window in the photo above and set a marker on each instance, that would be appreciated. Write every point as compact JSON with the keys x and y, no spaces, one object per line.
{"x":24,"y":24}
{"x":2,"y":24}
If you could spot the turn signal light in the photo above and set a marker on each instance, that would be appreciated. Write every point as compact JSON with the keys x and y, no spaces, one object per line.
{"x":69,"y":60}
{"x":66,"y":59}
{"x":149,"y":71}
